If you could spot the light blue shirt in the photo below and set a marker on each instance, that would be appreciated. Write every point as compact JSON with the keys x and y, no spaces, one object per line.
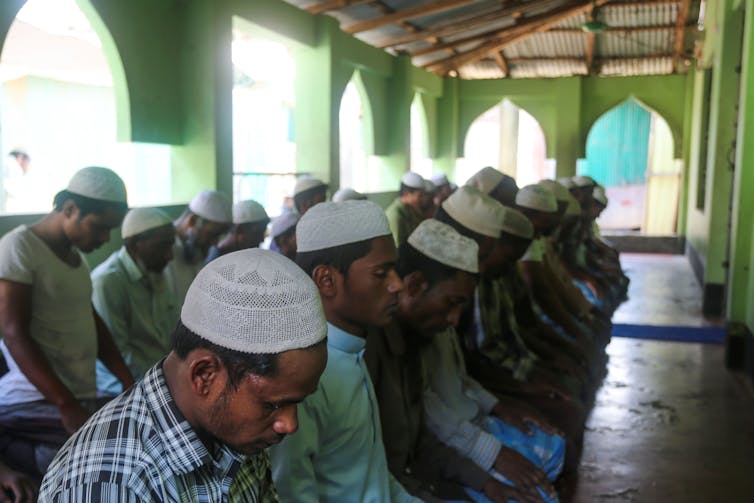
{"x":337,"y":455}
{"x":139,"y":316}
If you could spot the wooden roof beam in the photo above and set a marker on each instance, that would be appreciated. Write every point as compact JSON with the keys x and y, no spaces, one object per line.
{"x":564,"y":59}
{"x":680,"y":30}
{"x":625,"y":29}
{"x":536,"y":24}
{"x":591,"y":41}
{"x":500,"y":59}
{"x":459,"y":25}
{"x":406,"y":14}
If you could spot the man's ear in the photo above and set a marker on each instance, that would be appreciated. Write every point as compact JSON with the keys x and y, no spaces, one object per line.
{"x":415,"y":284}
{"x":69,"y":208}
{"x":325,"y":277}
{"x":206,"y":372}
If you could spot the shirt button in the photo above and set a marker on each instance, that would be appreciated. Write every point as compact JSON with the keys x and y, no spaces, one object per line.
{"x":407,"y":471}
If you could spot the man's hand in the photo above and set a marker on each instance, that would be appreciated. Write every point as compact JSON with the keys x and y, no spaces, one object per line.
{"x":503,"y":493}
{"x":521,"y":416}
{"x":16,"y":487}
{"x":522,"y":472}
{"x":73,"y":416}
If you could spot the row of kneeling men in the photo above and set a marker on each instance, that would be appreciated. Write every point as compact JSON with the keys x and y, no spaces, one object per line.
{"x":453,"y":361}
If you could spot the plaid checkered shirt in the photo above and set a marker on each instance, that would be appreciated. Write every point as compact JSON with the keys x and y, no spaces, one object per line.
{"x":140,"y":448}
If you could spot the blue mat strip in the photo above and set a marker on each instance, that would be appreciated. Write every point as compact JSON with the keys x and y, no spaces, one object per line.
{"x":706,"y":335}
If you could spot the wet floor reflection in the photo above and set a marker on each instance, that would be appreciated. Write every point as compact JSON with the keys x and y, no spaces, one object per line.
{"x":669,"y":424}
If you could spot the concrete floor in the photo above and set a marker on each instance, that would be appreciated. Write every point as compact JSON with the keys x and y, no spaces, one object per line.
{"x":670,"y":423}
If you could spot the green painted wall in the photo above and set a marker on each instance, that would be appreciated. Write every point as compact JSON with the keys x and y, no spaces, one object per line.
{"x":741,"y":287}
{"x":706,"y":227}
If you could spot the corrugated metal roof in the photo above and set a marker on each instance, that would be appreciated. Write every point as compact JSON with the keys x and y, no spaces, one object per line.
{"x":639,"y":66}
{"x":628,"y":52}
{"x":551,"y":44}
{"x":547,"y":68}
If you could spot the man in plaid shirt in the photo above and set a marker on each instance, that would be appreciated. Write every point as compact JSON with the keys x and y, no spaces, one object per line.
{"x":249,"y":348}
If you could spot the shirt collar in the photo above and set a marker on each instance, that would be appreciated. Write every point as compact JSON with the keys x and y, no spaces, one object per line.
{"x":132,"y":269}
{"x":181,"y":446}
{"x":344,"y":341}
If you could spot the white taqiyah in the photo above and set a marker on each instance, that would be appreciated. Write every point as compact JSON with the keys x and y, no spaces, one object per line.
{"x":327,"y":225}
{"x":254,"y":301}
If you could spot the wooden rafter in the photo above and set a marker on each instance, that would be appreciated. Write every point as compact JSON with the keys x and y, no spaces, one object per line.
{"x":680,"y":29}
{"x":458,"y":25}
{"x":535,"y":24}
{"x":500,"y":59}
{"x":329,"y":5}
{"x":602,"y":60}
{"x":624,"y":30}
{"x":406,"y":14}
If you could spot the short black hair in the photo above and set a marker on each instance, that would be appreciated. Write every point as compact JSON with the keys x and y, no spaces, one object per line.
{"x":284,"y":235}
{"x":513,"y":240}
{"x":443,"y":217}
{"x":405,"y":189}
{"x":410,"y":260}
{"x":238,"y":364}
{"x":302,"y":197}
{"x":340,"y":257}
{"x":86,"y":205}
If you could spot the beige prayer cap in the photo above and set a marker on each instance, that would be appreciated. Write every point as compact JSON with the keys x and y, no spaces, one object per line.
{"x":212,"y":205}
{"x":476,"y":211}
{"x":327,"y":225}
{"x":99,"y":183}
{"x":516,"y":224}
{"x":444,"y":244}
{"x":140,"y":220}
{"x":283,"y":223}
{"x":254,"y":301}
{"x":536,"y":197}
{"x":413,"y":180}
{"x":249,"y":211}
{"x":307,"y":183}
{"x":347,"y":194}
{"x":486,"y":179}
{"x":561,"y":193}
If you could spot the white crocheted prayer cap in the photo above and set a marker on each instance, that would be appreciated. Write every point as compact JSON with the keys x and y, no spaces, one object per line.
{"x":283,"y":223}
{"x":537,"y":197}
{"x":439,"y":179}
{"x":212,"y":205}
{"x":98,"y":183}
{"x":516,"y":224}
{"x":599,"y":195}
{"x":254,"y":301}
{"x":249,"y":211}
{"x":307,"y":183}
{"x":140,"y":220}
{"x":347,"y":194}
{"x":327,"y":225}
{"x":475,"y":211}
{"x":444,"y":244}
{"x":485,"y":179}
{"x":561,"y":193}
{"x":413,"y":180}
{"x":429,"y":187}
{"x":583,"y":181}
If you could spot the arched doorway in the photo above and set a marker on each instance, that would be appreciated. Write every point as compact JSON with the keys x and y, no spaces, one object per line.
{"x":58,"y":105}
{"x":507,"y":138}
{"x":629,"y":150}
